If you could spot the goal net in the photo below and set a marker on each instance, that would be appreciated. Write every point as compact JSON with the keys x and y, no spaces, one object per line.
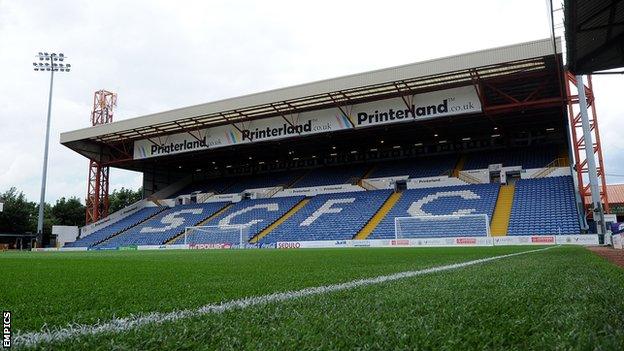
{"x":441,"y":226}
{"x":218,"y":235}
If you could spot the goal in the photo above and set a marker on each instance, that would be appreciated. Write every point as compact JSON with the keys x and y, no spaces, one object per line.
{"x":230,"y":235}
{"x":442,"y":226}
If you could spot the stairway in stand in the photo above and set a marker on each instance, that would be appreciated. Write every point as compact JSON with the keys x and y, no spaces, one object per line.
{"x":502,"y":211}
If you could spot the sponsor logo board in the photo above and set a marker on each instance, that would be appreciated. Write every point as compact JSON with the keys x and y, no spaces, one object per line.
{"x":400,"y":242}
{"x":466,"y":241}
{"x":542,"y":239}
{"x":289,"y":245}
{"x":210,"y":246}
{"x":430,"y":105}
{"x":581,"y":239}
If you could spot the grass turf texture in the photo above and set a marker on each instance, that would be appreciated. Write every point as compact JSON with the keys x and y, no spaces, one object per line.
{"x":562,"y":298}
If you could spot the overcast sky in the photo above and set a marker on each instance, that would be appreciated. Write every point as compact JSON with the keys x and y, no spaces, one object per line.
{"x":160,"y":55}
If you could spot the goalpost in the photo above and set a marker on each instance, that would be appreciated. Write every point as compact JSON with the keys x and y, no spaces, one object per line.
{"x":234,"y":235}
{"x":441,"y":226}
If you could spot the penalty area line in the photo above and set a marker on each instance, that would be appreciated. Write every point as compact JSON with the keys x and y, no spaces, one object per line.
{"x":117,"y":325}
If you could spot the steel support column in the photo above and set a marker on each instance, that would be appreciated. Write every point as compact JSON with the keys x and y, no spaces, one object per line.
{"x":97,"y":202}
{"x":588,"y":160}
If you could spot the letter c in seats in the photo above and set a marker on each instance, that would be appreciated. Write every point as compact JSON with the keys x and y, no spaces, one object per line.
{"x":415,"y":208}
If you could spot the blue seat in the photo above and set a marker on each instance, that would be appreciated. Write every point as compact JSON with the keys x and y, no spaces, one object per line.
{"x":256,"y":215}
{"x":164,"y":226}
{"x":332,"y":175}
{"x":415,"y":167}
{"x":116,"y":227}
{"x":544,"y":206}
{"x":527,"y":158}
{"x":473,"y":199}
{"x":330,"y":217}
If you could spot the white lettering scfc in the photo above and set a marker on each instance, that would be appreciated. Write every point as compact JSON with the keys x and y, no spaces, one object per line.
{"x":225,"y":221}
{"x":172,"y":221}
{"x":415,"y":208}
{"x":326,"y":208}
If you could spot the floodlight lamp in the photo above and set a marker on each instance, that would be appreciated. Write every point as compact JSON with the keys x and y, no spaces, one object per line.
{"x":35,"y":64}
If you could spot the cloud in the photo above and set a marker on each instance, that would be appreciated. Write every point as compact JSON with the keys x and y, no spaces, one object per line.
{"x":160,"y":55}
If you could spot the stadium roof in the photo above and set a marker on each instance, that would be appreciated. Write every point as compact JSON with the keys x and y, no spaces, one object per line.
{"x":615,"y":193}
{"x":594,"y":35}
{"x":459,"y":70}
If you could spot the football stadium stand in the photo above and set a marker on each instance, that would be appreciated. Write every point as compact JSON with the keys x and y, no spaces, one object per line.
{"x":544,"y":206}
{"x":116,"y":227}
{"x":418,"y":140}
{"x":330,"y":217}
{"x":163,"y":226}
{"x":530,"y":206}
{"x":464,"y":199}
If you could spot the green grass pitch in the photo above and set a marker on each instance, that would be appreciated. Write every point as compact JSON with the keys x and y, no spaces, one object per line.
{"x":562,"y":298}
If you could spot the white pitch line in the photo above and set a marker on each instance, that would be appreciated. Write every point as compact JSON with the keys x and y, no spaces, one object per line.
{"x":116,"y":325}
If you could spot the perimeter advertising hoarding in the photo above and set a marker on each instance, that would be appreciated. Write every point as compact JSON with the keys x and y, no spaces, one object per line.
{"x":456,"y":101}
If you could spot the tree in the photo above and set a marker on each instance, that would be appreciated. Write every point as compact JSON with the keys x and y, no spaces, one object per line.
{"x":68,"y":212}
{"x":122,"y":198}
{"x":19,"y":215}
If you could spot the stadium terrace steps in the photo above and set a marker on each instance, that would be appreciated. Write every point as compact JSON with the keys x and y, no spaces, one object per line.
{"x":502,"y":211}
{"x":459,"y":166}
{"x":281,"y":220}
{"x":218,"y":213}
{"x":368,"y":173}
{"x":381,"y":214}
{"x":297,"y":179}
{"x":467,"y":178}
